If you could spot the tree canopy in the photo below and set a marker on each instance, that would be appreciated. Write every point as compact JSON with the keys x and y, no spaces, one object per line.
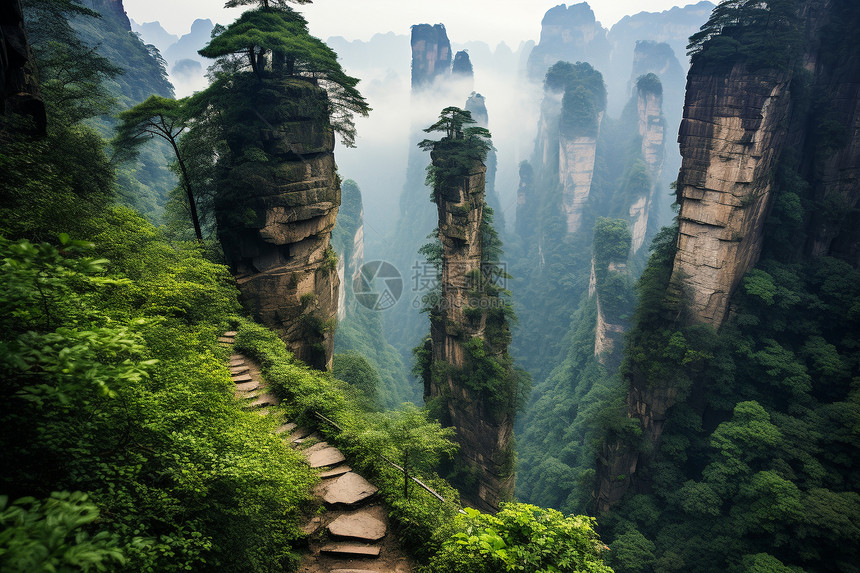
{"x":158,"y":117}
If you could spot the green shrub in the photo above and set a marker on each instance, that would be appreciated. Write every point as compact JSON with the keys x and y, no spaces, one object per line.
{"x":520,"y":537}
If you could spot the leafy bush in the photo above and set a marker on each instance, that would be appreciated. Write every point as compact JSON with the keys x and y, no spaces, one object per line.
{"x":520,"y":537}
{"x":114,"y":387}
{"x":50,"y":535}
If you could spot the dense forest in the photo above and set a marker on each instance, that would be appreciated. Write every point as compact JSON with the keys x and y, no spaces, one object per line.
{"x":123,"y":446}
{"x":646,"y":363}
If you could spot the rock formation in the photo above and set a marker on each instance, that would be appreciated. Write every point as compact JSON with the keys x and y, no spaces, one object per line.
{"x":610,"y":283}
{"x":673,"y":27}
{"x":466,"y":329}
{"x":570,"y":34}
{"x":276,"y":210}
{"x":576,"y":157}
{"x":649,"y":107}
{"x":462,"y":66}
{"x":431,"y":54}
{"x":734,"y":126}
{"x":526,"y":202}
{"x":741,"y":127}
{"x":20,"y":88}
{"x":476,"y":105}
{"x":113,"y":8}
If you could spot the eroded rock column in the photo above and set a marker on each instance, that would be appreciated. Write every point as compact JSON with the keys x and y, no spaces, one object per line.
{"x":484,"y":431}
{"x":733,"y":129}
{"x":276,"y":210}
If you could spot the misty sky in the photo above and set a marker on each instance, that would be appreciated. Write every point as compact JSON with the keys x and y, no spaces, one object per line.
{"x":490,"y":21}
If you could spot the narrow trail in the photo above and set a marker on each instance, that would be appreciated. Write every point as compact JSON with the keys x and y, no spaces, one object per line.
{"x":350,"y":533}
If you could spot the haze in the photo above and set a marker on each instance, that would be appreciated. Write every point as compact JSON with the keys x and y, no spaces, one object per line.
{"x":491,"y":21}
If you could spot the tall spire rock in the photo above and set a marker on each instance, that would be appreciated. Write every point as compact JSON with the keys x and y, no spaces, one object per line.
{"x":569,"y":34}
{"x":733,"y":129}
{"x":431,"y":54}
{"x":755,"y":159}
{"x":469,"y":371}
{"x":276,"y":210}
{"x":652,"y":128}
{"x":611,"y":284}
{"x":477,"y":106}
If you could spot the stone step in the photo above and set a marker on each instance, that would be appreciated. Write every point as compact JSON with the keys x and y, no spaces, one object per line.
{"x":264,"y":400}
{"x":300,"y":433}
{"x":286,"y":428}
{"x":237,"y":357}
{"x":335,"y":472}
{"x":350,"y":489}
{"x":242,"y":378}
{"x":230,"y":333}
{"x":362,"y":525}
{"x":350,"y":550}
{"x":226,"y":339}
{"x":325,"y":457}
{"x":247,"y":386}
{"x":352,"y":571}
{"x":234,"y":370}
{"x":315,"y":448}
{"x":237,"y":363}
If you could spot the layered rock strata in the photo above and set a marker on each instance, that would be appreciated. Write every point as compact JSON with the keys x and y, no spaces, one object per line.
{"x":485,"y":438}
{"x":733,"y":129}
{"x":276,"y":210}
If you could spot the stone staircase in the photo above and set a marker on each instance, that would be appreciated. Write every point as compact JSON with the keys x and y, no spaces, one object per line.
{"x":350,"y":535}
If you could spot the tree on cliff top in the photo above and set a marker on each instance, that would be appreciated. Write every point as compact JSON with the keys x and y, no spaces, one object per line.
{"x":274,"y":40}
{"x":764,"y":34}
{"x":461,"y":146}
{"x":265,"y":3}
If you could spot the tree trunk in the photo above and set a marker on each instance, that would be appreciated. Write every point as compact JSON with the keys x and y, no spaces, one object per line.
{"x":406,"y":474}
{"x":192,"y":204}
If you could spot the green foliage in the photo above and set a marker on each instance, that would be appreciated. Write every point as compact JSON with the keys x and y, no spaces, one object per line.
{"x":71,"y":72}
{"x":164,"y":118}
{"x":353,"y":368}
{"x":649,"y":83}
{"x":564,"y":76}
{"x":420,"y":518}
{"x":761,"y":34}
{"x":114,"y":387}
{"x":294,"y":52}
{"x":584,"y":97}
{"x":50,"y":535}
{"x":520,"y":537}
{"x":457,"y":152}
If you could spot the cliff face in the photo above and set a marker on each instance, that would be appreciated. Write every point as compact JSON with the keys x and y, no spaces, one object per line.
{"x":570,"y":34}
{"x":276,"y":211}
{"x":747,"y":138}
{"x":484,"y":436}
{"x":431,"y":54}
{"x":649,"y":106}
{"x":733,"y":129}
{"x":576,"y":157}
{"x":20,"y":88}
{"x":112,"y":8}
